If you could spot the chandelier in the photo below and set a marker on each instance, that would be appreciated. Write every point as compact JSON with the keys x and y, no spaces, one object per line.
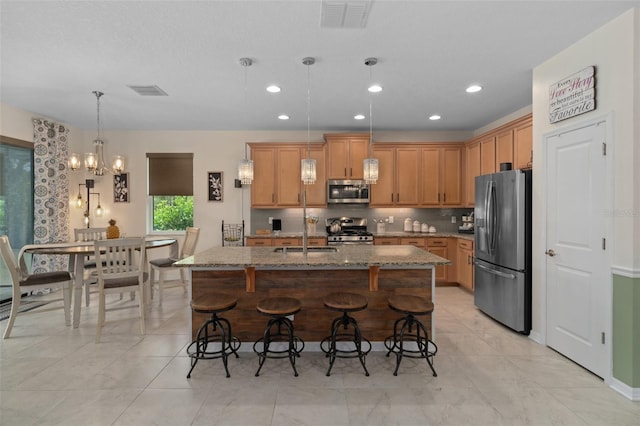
{"x":94,"y":161}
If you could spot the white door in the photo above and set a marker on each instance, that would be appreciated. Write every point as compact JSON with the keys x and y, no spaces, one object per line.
{"x":576,"y":274}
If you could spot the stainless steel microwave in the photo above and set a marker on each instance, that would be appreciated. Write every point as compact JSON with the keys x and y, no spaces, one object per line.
{"x":347,"y":192}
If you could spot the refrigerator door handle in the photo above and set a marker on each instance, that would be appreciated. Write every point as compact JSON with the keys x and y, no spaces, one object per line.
{"x":491,"y":217}
{"x":494,"y":272}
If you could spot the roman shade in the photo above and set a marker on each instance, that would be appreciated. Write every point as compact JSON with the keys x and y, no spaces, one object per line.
{"x":170,"y":173}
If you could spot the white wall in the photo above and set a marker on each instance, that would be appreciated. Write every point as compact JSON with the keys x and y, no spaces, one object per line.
{"x":613,"y":49}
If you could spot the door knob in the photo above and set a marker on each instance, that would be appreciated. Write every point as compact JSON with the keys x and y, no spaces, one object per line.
{"x":550,"y":253}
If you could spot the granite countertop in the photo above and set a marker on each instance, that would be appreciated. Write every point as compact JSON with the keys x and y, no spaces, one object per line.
{"x":346,"y":256}
{"x":399,"y":234}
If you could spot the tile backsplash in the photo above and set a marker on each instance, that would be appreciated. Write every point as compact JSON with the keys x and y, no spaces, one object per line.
{"x":292,"y":218}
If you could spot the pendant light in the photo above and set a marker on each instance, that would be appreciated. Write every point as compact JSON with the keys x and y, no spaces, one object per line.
{"x":94,"y":161}
{"x":245,"y":166}
{"x":370,"y":164}
{"x":308,"y":165}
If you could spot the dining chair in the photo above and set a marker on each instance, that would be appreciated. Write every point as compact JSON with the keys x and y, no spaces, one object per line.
{"x":87,"y":235}
{"x":122,"y":270}
{"x":22,"y":281}
{"x":165,"y":265}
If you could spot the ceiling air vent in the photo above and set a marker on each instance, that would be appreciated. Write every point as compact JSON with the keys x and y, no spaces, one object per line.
{"x":148,"y":90}
{"x":345,"y":14}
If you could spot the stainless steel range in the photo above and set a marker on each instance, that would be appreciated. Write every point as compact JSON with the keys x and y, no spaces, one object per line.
{"x":347,"y":230}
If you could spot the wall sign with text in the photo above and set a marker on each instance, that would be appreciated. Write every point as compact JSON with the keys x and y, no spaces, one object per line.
{"x":573,"y":95}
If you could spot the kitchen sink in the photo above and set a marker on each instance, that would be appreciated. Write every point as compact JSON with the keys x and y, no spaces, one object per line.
{"x":298,"y":249}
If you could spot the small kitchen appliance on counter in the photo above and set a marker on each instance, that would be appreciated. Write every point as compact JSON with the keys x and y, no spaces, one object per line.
{"x":347,"y":230}
{"x":467,"y":225}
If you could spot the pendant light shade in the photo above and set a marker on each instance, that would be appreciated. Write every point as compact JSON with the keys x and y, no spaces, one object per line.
{"x":245,"y":171}
{"x":370,"y":165}
{"x":308,"y":165}
{"x":245,"y":166}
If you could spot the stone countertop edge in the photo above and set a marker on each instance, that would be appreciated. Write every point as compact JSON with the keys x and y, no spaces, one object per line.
{"x":399,"y":234}
{"x":356,"y":256}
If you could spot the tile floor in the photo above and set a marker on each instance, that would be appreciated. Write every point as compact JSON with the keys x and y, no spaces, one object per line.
{"x":487,"y":375}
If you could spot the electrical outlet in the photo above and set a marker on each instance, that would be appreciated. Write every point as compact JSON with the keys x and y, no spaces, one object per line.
{"x":270,"y":221}
{"x":390,"y":219}
{"x":453,"y":219}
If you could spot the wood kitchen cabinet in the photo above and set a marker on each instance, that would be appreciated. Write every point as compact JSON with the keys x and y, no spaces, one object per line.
{"x":441,"y":177}
{"x":523,"y":146}
{"x":316,"y":241}
{"x":287,"y":241}
{"x":504,"y":148}
{"x":488,"y":156}
{"x":472,"y":170}
{"x":464,"y":267}
{"x":276,"y":176}
{"x":398,"y":177}
{"x":414,"y":241}
{"x":439,"y":247}
{"x":259,"y":242}
{"x":345,"y":155}
{"x":386,"y":241}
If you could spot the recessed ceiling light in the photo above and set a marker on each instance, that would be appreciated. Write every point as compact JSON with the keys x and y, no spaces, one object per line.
{"x":273,"y":89}
{"x":474,"y":88}
{"x":359,"y":117}
{"x":435,"y":117}
{"x":283,"y":117}
{"x":375,"y":88}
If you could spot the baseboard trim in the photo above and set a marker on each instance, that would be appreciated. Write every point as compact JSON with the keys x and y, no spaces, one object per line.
{"x":623,"y":271}
{"x":536,"y":337}
{"x":625,"y":390}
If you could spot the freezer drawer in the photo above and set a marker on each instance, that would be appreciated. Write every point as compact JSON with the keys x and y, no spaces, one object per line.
{"x":504,"y":295}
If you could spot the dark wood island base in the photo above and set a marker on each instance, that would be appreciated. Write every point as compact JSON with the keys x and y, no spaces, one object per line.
{"x":250,"y":285}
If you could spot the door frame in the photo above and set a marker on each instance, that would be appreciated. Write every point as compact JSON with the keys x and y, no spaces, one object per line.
{"x":541,"y":335}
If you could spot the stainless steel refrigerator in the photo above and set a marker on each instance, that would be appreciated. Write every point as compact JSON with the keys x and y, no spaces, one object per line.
{"x":503,"y":247}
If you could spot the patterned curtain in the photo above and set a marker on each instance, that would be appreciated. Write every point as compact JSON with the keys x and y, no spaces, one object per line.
{"x":51,"y":190}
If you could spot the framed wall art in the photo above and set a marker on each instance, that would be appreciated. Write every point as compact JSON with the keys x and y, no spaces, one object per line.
{"x":121,"y":188}
{"x":215,"y":186}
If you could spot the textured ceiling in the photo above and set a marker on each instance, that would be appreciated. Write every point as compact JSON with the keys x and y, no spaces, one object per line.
{"x":55,"y":53}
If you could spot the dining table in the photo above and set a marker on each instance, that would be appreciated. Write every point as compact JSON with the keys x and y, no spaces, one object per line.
{"x":76,"y":251}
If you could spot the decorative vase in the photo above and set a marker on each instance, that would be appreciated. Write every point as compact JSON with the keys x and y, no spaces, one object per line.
{"x":112,"y":230}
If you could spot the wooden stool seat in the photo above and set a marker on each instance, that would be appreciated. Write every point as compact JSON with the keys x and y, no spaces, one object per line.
{"x":280,"y":306}
{"x":213,"y":302}
{"x":408,"y":304}
{"x":345,"y":302}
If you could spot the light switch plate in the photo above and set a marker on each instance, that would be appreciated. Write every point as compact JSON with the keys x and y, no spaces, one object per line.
{"x":453,"y":219}
{"x":270,"y":220}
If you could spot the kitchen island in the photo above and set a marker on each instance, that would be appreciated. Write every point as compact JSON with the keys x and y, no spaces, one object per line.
{"x":254,"y":273}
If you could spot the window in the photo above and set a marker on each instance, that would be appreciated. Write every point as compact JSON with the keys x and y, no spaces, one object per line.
{"x":16,"y":197}
{"x":170,"y":191}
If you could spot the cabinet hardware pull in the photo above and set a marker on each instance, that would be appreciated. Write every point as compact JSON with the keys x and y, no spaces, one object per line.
{"x":345,"y":172}
{"x":438,"y":197}
{"x":445,"y":198}
{"x":350,"y":171}
{"x":392,"y":197}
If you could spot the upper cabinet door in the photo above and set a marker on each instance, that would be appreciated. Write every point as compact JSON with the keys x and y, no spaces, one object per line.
{"x":345,"y":156}
{"x":523,"y":147}
{"x":263,"y":187}
{"x":288,"y":178}
{"x":451,"y":176}
{"x":383,"y":193}
{"x":488,"y":156}
{"x":473,"y":170}
{"x":504,"y":148}
{"x":317,"y":193}
{"x":407,"y":166}
{"x":430,"y":177}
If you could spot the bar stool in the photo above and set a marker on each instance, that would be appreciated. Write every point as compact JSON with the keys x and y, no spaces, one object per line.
{"x":215,"y":329}
{"x":345,"y":303}
{"x":278,"y":309}
{"x":410,"y":307}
